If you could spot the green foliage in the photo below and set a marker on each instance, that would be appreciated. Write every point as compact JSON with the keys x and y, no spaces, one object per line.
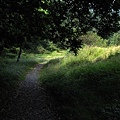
{"x":47,"y":47}
{"x":9,"y":52}
{"x":61,"y":21}
{"x":115,"y":39}
{"x":42,"y":47}
{"x":86,"y":87}
{"x":11,"y":74}
{"x":92,"y":39}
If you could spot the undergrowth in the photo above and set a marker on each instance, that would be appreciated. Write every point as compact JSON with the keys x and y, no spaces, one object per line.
{"x":86,"y":87}
{"x":11,"y":74}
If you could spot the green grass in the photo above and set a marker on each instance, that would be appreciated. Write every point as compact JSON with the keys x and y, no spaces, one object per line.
{"x":44,"y":58}
{"x":86,"y":87}
{"x":12,"y":72}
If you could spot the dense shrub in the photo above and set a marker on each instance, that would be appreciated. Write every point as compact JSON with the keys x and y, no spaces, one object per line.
{"x":42,"y":47}
{"x":92,"y":39}
{"x":115,"y":39}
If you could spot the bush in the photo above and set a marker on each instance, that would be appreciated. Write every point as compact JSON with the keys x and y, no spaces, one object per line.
{"x":42,"y":47}
{"x":115,"y":39}
{"x":9,"y":52}
{"x":92,"y":39}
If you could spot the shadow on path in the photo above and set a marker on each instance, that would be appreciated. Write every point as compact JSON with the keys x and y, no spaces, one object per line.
{"x":31,"y":101}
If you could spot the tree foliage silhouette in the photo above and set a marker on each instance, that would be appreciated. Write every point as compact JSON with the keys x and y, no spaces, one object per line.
{"x":57,"y":20}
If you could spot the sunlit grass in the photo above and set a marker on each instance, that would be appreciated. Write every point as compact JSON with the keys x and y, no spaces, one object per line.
{"x":87,"y":83}
{"x":90,"y":54}
{"x":43,"y":58}
{"x":11,"y":72}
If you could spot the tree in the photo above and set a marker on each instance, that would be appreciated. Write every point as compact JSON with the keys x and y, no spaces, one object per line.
{"x":72,"y":18}
{"x":61,"y":21}
{"x":20,"y":22}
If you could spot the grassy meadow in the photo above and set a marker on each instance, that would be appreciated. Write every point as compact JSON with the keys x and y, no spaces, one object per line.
{"x":87,"y":86}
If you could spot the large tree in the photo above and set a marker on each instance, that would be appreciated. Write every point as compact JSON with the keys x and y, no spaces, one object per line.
{"x":72,"y":18}
{"x":57,"y":20}
{"x":21,"y":21}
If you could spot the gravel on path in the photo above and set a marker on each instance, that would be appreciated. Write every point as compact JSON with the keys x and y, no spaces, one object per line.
{"x":31,"y":101}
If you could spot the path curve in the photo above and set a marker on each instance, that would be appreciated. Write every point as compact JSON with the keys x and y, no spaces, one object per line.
{"x":31,"y":101}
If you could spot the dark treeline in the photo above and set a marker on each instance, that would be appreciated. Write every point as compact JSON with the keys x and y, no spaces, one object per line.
{"x":61,"y":21}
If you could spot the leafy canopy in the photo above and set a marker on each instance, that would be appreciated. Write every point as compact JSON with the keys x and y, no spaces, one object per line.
{"x":61,"y":21}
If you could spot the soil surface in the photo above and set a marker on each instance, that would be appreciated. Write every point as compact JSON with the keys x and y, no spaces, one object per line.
{"x":31,"y":102}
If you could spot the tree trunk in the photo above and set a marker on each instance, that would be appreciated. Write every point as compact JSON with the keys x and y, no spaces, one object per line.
{"x":19,"y":54}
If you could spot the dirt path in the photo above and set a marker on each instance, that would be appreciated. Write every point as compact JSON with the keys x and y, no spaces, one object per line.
{"x":31,"y":101}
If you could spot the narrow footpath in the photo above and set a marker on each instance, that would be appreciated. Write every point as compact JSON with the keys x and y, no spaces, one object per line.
{"x":31,"y":101}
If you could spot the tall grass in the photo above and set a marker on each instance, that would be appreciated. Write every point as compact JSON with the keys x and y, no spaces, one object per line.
{"x":11,"y":74}
{"x":86,"y":87}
